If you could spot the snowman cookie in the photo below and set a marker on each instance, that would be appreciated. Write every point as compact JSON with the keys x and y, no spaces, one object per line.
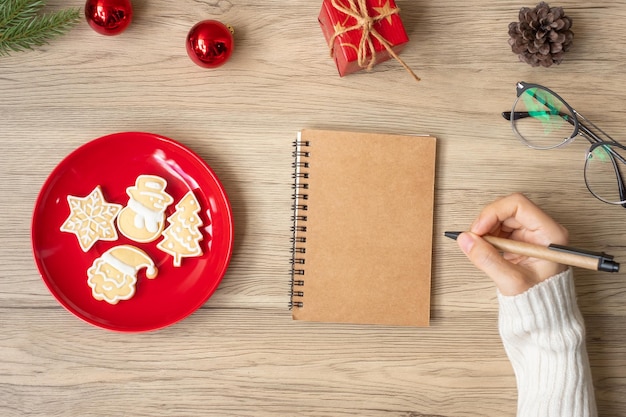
{"x":143,"y":218}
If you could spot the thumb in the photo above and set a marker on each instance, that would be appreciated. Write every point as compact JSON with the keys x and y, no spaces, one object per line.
{"x":486,"y":258}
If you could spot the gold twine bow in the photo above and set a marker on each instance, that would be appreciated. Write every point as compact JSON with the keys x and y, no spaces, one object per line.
{"x":366,"y":23}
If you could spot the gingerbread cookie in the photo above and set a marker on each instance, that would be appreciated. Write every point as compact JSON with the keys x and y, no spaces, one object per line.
{"x":143,"y":219}
{"x":182,"y":237}
{"x":113,"y":276}
{"x":91,"y":218}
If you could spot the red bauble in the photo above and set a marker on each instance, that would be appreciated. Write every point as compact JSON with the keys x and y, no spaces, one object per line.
{"x":109,"y":17}
{"x":210,"y":43}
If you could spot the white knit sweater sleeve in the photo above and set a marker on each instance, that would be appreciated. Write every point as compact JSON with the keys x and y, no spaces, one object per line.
{"x":544,"y":337}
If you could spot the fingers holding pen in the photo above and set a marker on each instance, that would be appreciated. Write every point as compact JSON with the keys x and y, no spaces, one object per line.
{"x":510,"y":278}
{"x":513,"y":217}
{"x":516,"y":217}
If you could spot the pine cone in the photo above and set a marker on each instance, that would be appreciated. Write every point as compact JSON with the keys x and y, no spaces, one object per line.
{"x":542,"y":35}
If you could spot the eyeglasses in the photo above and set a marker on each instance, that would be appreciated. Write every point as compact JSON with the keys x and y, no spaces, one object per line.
{"x":543,"y":120}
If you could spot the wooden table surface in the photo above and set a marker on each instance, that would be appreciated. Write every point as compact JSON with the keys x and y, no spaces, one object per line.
{"x":241,"y":354}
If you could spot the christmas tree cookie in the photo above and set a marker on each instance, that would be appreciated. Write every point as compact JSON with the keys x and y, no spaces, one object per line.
{"x":91,"y":218}
{"x":182,"y":237}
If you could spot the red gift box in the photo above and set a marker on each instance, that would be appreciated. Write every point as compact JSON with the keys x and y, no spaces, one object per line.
{"x":351,"y":40}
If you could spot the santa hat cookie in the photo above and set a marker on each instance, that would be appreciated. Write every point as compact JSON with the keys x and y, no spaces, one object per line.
{"x":113,"y":276}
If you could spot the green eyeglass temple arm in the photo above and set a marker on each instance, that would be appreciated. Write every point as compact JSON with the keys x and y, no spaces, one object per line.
{"x":524,"y":114}
{"x":588,"y":134}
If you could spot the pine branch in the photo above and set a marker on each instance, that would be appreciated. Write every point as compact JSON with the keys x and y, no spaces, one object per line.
{"x":13,"y":12}
{"x":22,"y":28}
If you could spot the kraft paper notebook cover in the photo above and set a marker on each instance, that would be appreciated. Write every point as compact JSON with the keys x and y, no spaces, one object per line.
{"x":363,"y":228}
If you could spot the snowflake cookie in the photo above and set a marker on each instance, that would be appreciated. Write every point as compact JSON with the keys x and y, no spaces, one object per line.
{"x":91,"y":218}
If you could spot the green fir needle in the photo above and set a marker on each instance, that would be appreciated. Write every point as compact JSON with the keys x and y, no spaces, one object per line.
{"x":23,"y":26}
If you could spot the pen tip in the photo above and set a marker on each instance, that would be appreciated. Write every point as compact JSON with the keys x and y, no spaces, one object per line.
{"x":452,"y":235}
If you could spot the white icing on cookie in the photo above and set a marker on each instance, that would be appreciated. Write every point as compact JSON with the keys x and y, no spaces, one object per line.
{"x":182,"y":237}
{"x":91,"y":219}
{"x":143,"y":218}
{"x":113,"y":276}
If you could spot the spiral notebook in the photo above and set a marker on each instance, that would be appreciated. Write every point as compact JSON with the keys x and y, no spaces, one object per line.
{"x":363,"y":228}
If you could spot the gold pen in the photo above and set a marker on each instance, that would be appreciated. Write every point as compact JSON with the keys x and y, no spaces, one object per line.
{"x":597,"y":261}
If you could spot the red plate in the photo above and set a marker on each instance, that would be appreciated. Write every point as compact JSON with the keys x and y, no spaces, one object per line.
{"x":114,"y":162}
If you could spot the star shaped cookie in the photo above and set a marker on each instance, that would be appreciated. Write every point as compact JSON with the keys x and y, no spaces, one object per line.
{"x":91,"y":218}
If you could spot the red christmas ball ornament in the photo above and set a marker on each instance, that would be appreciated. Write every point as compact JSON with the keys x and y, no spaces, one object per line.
{"x":210,"y":43}
{"x":109,"y":17}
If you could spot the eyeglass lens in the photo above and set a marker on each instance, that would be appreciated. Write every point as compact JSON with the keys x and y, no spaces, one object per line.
{"x":603,"y":168}
{"x":541,"y":119}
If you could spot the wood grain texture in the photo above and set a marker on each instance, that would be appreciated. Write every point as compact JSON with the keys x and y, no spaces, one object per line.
{"x":241,"y":354}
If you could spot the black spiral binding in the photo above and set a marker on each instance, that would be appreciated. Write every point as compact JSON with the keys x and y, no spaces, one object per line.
{"x":299,"y":218}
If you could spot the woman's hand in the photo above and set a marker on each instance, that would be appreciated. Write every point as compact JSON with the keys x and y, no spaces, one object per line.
{"x":513,"y":217}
